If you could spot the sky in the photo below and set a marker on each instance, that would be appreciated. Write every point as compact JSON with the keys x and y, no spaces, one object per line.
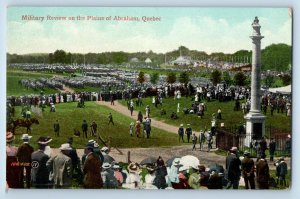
{"x":204,"y":29}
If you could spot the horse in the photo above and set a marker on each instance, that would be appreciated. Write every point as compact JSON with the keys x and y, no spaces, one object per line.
{"x":24,"y":123}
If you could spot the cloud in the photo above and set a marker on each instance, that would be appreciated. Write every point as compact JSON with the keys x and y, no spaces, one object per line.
{"x":200,"y":33}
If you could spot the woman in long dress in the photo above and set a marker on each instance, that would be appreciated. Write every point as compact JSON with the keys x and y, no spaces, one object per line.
{"x":13,"y":172}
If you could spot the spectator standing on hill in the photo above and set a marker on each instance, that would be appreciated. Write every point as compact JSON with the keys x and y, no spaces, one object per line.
{"x":56,"y":128}
{"x":188,"y":132}
{"x":84,"y":128}
{"x":201,"y":140}
{"x":181,"y":132}
{"x":194,"y":140}
{"x":147,"y":111}
{"x":131,"y":107}
{"x":272,"y":148}
{"x":94,"y":129}
{"x":110,"y":119}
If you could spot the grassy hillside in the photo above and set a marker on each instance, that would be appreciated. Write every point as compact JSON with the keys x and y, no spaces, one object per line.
{"x":70,"y":117}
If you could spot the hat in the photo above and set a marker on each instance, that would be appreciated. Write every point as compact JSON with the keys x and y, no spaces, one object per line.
{"x":233,"y":149}
{"x":91,"y":141}
{"x":176,"y":162}
{"x":183,"y":168}
{"x":26,"y":137}
{"x":181,"y":125}
{"x":116,"y":166}
{"x":104,"y":149}
{"x":281,"y":158}
{"x":106,"y":165}
{"x":246,"y":153}
{"x":133,"y":167}
{"x":195,"y":166}
{"x":9,"y":137}
{"x":96,"y":145}
{"x":89,"y":146}
{"x":222,"y":124}
{"x":65,"y":147}
{"x":44,"y":140}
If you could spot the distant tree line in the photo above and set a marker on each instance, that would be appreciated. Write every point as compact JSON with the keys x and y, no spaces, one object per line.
{"x":274,"y":57}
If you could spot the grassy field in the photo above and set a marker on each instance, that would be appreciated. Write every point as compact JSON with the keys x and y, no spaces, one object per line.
{"x":14,"y":88}
{"x":229,"y":117}
{"x":70,"y":117}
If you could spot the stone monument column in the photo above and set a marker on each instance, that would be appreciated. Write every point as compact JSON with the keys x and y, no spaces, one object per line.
{"x":255,"y":120}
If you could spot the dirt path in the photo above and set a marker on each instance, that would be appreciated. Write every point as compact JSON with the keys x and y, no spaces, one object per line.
{"x":138,"y":154}
{"x":66,"y":89}
{"x":155,"y":123}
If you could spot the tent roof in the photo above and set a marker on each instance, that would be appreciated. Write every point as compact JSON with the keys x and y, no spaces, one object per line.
{"x":283,"y":90}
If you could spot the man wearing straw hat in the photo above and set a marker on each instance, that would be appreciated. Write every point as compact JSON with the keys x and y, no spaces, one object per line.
{"x":24,"y":158}
{"x":61,"y":167}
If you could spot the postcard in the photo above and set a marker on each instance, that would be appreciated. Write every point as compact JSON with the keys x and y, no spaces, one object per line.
{"x":149,"y":98}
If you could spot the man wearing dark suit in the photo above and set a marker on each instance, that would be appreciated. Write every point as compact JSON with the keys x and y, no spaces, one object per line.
{"x":39,"y":170}
{"x":84,"y":128}
{"x":233,"y":164}
{"x":24,"y":158}
{"x":92,"y":169}
{"x":272,"y":148}
{"x":262,"y":146}
{"x":56,"y":128}
{"x":248,"y":171}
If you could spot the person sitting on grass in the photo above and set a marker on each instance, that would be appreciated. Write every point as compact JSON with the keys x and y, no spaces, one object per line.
{"x":163,"y":112}
{"x":174,"y":116}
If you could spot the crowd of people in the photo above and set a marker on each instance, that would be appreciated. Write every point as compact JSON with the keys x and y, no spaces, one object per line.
{"x":96,"y":169}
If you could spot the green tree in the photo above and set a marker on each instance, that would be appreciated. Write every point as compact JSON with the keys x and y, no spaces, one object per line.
{"x":171,"y":78}
{"x":227,"y":78}
{"x":269,"y":80}
{"x":184,"y":78}
{"x":154,"y":77}
{"x":60,"y":56}
{"x":240,"y":79}
{"x":215,"y":77}
{"x":141,"y":77}
{"x":286,"y":79}
{"x":276,"y":57}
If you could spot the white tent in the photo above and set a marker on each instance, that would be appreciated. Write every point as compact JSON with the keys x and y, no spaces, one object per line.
{"x":134,"y":59}
{"x":282,"y":90}
{"x":148,"y":60}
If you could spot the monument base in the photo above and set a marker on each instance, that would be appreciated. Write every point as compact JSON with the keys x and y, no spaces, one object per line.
{"x":255,"y":127}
